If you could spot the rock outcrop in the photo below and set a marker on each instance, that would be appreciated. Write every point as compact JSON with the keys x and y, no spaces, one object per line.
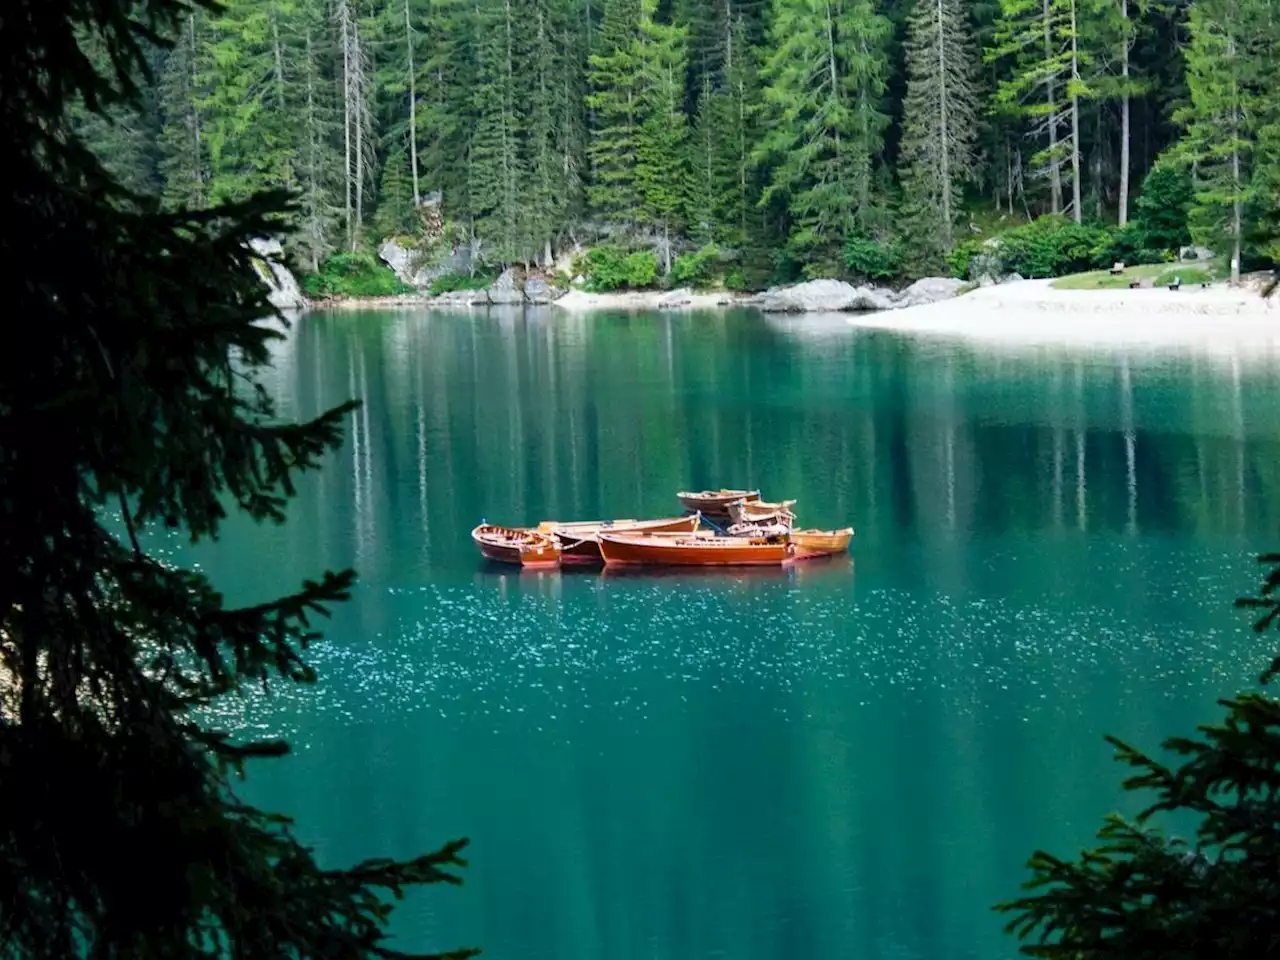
{"x":409,"y":267}
{"x":506,"y":289}
{"x":284,"y":292}
{"x":537,"y":290}
{"x":929,"y":290}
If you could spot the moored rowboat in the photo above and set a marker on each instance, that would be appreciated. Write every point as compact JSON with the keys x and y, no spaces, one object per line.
{"x":628,"y":549}
{"x":578,"y":540}
{"x":528,"y":548}
{"x":714,"y":502}
{"x":820,"y":543}
{"x":761,"y":511}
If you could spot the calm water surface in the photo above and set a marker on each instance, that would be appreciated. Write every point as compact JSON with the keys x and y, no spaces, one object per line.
{"x":843,"y":760}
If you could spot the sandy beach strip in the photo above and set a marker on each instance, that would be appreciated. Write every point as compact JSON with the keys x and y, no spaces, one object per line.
{"x":1033,"y":311}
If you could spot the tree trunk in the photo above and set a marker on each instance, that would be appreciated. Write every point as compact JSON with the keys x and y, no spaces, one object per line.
{"x":1123,"y":200}
{"x":413,"y":109}
{"x":1075,"y":121}
{"x":313,"y":188}
{"x":196,"y":172}
{"x":358,"y":114}
{"x":944,"y":133}
{"x":344,"y":29}
{"x":1055,"y":165}
{"x":1235,"y":167}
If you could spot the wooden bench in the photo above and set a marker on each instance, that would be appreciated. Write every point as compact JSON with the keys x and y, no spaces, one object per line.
{"x":1117,"y":268}
{"x":1177,"y":283}
{"x":1135,"y":283}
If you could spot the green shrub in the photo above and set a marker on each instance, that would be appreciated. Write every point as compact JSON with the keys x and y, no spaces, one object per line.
{"x":1128,"y":245}
{"x":1050,"y":247}
{"x":562,"y":280}
{"x":353,"y":275}
{"x":1161,"y":210}
{"x":696,"y":269}
{"x":735,"y":280}
{"x":608,"y":268}
{"x":869,"y":259}
{"x":960,"y":259}
{"x":448,"y":282}
{"x":642,"y":269}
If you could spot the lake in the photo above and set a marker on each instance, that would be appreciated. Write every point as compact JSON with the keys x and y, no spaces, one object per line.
{"x":847,"y":759}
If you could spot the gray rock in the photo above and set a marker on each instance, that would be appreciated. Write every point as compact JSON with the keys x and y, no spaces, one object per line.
{"x":987,"y":280}
{"x":930,"y":290}
{"x":537,"y":290}
{"x":1195,"y":253}
{"x":1012,"y":278}
{"x":507,"y":288}
{"x":283,"y":290}
{"x":873,"y":298}
{"x":681,"y":297}
{"x":408,"y":266}
{"x":461,"y":298}
{"x":814,"y":296}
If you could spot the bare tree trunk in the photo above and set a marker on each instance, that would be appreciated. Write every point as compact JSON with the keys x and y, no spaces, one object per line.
{"x":358,"y":113}
{"x":413,"y":109}
{"x":1075,"y":121}
{"x":1123,"y":201}
{"x":1235,"y":167}
{"x":313,"y":187}
{"x":344,"y":29}
{"x":1055,"y":164}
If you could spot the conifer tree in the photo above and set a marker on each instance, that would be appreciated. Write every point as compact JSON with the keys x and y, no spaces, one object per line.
{"x":446,"y":91}
{"x":183,"y":152}
{"x":615,"y":99}
{"x":317,"y":135}
{"x":1047,"y":85}
{"x":121,"y":831}
{"x":496,"y":171}
{"x":661,"y":157}
{"x":1218,"y":141}
{"x":825,"y":128}
{"x":553,"y":143}
{"x":939,"y":122}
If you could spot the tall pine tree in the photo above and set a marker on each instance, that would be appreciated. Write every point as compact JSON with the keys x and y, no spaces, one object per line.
{"x":939,"y":123}
{"x":825,"y":126}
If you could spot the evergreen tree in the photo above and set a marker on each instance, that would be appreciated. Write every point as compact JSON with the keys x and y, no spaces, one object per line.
{"x":553,"y":141}
{"x":317,"y":135}
{"x":661,"y":177}
{"x":183,"y":153}
{"x":496,"y":173}
{"x":616,"y":92}
{"x":446,"y":89}
{"x":824,"y":125}
{"x":396,"y":211}
{"x":1218,"y":141}
{"x":121,"y":831}
{"x":939,"y":123}
{"x":1042,"y":37}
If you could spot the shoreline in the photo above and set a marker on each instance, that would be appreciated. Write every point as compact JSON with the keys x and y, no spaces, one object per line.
{"x":1027,"y":311}
{"x":1032,"y":311}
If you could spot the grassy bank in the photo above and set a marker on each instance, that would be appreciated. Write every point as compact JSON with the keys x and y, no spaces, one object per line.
{"x":1149,"y":275}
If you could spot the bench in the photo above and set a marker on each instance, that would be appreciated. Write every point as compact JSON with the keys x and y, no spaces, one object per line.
{"x":1135,"y":283}
{"x":1117,"y":268}
{"x":1176,"y":284}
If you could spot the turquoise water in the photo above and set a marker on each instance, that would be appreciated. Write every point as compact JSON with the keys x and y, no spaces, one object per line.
{"x":841,"y":760}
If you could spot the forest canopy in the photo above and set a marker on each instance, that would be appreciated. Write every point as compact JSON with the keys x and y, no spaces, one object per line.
{"x":801,"y":137}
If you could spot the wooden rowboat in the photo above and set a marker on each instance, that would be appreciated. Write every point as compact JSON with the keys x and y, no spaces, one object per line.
{"x":630,"y":550}
{"x":820,"y":543}
{"x":579,"y":542}
{"x":714,"y":503}
{"x":761,"y":511}
{"x":528,"y":548}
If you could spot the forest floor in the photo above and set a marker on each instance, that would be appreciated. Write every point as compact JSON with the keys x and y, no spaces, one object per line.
{"x":1040,"y":311}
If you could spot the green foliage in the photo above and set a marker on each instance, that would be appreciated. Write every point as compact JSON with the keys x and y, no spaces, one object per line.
{"x":1130,"y":245}
{"x":449,"y":282}
{"x":870,"y":259}
{"x":961,"y":258}
{"x":824,"y":126}
{"x":123,"y":832}
{"x":1161,"y":210}
{"x":696,"y":269}
{"x":608,"y":268}
{"x":353,"y":275}
{"x":1145,"y":894}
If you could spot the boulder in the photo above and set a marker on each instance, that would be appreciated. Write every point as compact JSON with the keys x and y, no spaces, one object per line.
{"x":461,"y":298}
{"x":1012,"y":278}
{"x":283,"y":290}
{"x":872,"y":298}
{"x":673,"y":299}
{"x":537,"y":290}
{"x":930,"y":290}
{"x":813,"y":296}
{"x":408,"y":266}
{"x":507,"y":288}
{"x":1195,"y":253}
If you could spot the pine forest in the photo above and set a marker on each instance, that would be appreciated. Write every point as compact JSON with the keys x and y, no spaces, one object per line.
{"x":763,"y":140}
